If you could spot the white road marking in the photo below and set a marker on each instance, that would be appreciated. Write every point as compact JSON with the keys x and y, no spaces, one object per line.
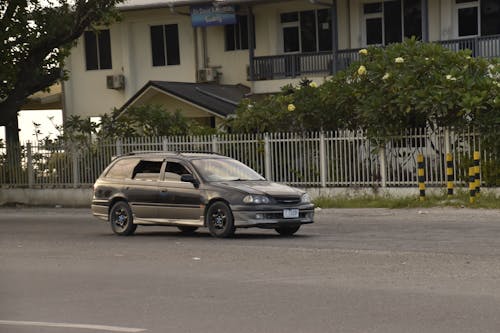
{"x":68,"y":325}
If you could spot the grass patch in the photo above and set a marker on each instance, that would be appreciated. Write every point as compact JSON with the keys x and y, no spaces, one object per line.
{"x":460,"y":199}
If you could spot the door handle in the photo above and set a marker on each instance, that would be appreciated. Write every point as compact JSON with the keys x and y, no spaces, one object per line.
{"x":164,"y":191}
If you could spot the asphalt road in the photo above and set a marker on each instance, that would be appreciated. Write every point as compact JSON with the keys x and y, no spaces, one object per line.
{"x":360,"y":271}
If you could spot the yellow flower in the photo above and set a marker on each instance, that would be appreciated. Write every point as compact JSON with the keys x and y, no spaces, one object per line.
{"x":291,"y":107}
{"x":313,"y":85}
{"x":361,"y":70}
{"x":386,"y":76}
{"x":451,"y":78}
{"x":399,"y":60}
{"x":363,"y":52}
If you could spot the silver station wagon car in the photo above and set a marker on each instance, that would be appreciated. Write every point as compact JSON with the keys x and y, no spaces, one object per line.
{"x":193,"y":190}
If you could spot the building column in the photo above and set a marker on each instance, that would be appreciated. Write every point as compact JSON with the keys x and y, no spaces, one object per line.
{"x":425,"y":20}
{"x":251,"y":40}
{"x":335,"y":42}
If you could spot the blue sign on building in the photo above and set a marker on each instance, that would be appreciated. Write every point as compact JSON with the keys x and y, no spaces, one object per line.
{"x":204,"y":16}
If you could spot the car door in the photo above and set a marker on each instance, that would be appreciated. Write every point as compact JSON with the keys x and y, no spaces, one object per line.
{"x":142,"y":189}
{"x":178,"y":200}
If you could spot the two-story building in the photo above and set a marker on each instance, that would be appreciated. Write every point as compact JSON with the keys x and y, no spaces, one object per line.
{"x":204,"y":56}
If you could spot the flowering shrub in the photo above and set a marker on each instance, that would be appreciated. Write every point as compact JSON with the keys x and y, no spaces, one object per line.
{"x":406,"y":85}
{"x":415,"y":84}
{"x":295,"y":108}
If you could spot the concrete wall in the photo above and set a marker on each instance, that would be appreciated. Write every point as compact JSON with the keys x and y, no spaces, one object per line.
{"x":82,"y":197}
{"x":79,"y":197}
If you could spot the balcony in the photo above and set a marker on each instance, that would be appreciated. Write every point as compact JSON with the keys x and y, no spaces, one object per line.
{"x":321,"y":63}
{"x":484,"y":46}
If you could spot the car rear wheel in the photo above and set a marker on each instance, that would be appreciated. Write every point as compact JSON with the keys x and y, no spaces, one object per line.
{"x":287,"y":231}
{"x":121,"y":219}
{"x":187,"y":230}
{"x":219,"y":219}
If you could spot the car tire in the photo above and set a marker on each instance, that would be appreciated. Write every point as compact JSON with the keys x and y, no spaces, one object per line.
{"x":121,"y":219}
{"x":219,"y":220}
{"x":287,"y":231}
{"x":187,"y":229}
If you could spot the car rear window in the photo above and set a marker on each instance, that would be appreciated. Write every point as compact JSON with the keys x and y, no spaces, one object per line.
{"x":122,"y":168}
{"x":147,"y":170}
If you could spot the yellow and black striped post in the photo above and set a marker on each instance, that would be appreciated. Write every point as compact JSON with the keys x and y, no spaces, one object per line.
{"x":421,"y":176}
{"x":449,"y":174}
{"x":472,"y":184}
{"x":477,"y":172}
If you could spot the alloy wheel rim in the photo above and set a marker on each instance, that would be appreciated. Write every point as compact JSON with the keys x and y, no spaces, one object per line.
{"x":120,"y":218}
{"x":219,"y":219}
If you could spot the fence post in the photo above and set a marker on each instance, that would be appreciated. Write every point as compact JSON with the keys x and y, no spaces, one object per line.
{"x":29,"y":160}
{"x":472,"y":185}
{"x":119,"y":147}
{"x":449,"y":173}
{"x":76,"y":173}
{"x":383,"y":166}
{"x":421,"y":176}
{"x":164,"y":144}
{"x":447,"y":145}
{"x":214,"y":144}
{"x":267,"y":157}
{"x":477,"y":172}
{"x":322,"y":159}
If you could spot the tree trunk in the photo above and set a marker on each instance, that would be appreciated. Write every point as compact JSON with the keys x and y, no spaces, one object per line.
{"x":12,"y":132}
{"x":13,"y":147}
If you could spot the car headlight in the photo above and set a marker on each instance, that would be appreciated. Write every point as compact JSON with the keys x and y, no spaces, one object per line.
{"x":306,"y":198}
{"x":256,"y":199}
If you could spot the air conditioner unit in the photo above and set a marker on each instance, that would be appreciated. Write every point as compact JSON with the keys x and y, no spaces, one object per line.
{"x":207,"y":75}
{"x":115,"y":81}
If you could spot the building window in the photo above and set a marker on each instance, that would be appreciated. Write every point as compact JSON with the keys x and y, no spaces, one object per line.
{"x":97,"y":49}
{"x":467,"y":18}
{"x":390,"y":21}
{"x":307,"y":31}
{"x":165,"y":45}
{"x":477,"y":18}
{"x":237,"y":34}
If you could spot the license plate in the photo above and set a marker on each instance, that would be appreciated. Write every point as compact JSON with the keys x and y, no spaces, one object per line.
{"x":290,"y":213}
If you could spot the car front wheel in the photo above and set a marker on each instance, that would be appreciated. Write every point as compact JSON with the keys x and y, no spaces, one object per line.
{"x":121,"y":219}
{"x":219,"y":219}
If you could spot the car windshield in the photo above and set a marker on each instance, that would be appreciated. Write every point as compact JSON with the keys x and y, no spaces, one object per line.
{"x":222,"y":169}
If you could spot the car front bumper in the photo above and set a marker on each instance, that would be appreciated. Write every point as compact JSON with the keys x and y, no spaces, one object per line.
{"x":270,"y":217}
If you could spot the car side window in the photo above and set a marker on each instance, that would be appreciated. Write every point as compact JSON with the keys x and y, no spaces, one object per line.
{"x":174,"y":170}
{"x":147,"y":170}
{"x":122,"y":168}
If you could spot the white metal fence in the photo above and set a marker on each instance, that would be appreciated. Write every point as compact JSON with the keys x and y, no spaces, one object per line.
{"x":327,"y":159}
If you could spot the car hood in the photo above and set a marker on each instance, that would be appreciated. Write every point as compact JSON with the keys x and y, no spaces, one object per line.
{"x":261,"y":187}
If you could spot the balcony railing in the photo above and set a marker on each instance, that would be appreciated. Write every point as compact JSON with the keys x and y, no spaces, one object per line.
{"x":321,"y":63}
{"x":301,"y":64}
{"x":484,"y":46}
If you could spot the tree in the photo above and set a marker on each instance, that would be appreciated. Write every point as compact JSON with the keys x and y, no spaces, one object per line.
{"x":415,"y":84}
{"x":150,"y":120}
{"x":406,"y":85}
{"x":294,"y":109}
{"x":37,"y":36}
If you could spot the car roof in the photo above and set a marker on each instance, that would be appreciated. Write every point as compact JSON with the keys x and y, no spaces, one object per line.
{"x":190,"y":155}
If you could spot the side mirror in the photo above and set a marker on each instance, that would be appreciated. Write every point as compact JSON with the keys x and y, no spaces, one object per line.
{"x":188,"y":178}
